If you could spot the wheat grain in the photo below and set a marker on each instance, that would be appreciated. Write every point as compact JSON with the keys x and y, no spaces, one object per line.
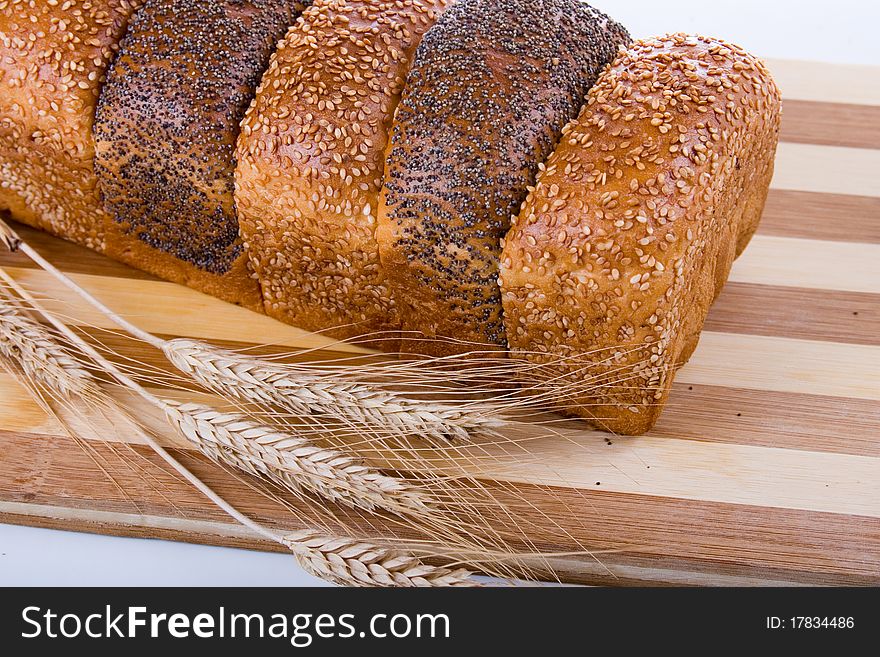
{"x":8,"y":237}
{"x":291,"y":461}
{"x":362,"y":406}
{"x":32,"y":347}
{"x":350,"y":562}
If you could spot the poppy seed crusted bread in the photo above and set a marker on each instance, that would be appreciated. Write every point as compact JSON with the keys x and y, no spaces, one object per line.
{"x":491,"y":87}
{"x":310,"y":163}
{"x":428,"y":177}
{"x":53,"y":59}
{"x":635,"y":220}
{"x":165,"y":133}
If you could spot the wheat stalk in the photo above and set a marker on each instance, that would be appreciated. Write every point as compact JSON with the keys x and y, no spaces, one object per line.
{"x":359,"y":405}
{"x":291,"y":461}
{"x":340,"y":560}
{"x":39,"y":356}
{"x":346,"y":561}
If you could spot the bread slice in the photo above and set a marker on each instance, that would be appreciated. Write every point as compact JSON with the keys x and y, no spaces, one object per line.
{"x":492,"y":85}
{"x":310,"y":164}
{"x":165,"y":133}
{"x":53,"y":59}
{"x":629,"y":234}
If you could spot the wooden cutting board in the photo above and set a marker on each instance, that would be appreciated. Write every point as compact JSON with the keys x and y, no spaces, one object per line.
{"x":764,"y":469}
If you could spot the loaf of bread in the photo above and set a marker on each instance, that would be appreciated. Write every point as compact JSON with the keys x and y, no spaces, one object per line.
{"x":53,"y":59}
{"x":165,"y":135}
{"x":310,"y":163}
{"x":609,"y":270}
{"x":490,"y":89}
{"x":385,"y":149}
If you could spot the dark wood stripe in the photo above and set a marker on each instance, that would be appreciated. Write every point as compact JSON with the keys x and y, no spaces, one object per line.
{"x":801,"y":313}
{"x":809,"y":215}
{"x":671,"y":538}
{"x":752,"y":417}
{"x":830,"y":124}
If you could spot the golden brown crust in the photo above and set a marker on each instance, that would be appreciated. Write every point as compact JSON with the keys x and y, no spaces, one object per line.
{"x":633,"y":224}
{"x":165,"y":134}
{"x":53,"y":59}
{"x":492,"y":85}
{"x":310,"y":163}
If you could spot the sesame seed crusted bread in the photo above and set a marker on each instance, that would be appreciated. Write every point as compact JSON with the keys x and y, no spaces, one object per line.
{"x":53,"y":59}
{"x":310,"y":163}
{"x":632,"y":226}
{"x":491,"y":87}
{"x":165,"y":132}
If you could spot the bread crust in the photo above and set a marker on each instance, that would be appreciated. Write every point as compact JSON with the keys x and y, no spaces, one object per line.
{"x":631,"y":229}
{"x":165,"y":134}
{"x":310,"y":164}
{"x":491,"y":87}
{"x":53,"y":60}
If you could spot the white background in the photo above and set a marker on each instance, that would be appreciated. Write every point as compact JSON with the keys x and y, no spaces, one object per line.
{"x":843,"y":31}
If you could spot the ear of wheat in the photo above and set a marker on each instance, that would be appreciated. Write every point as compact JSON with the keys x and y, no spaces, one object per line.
{"x":31,"y":346}
{"x":365,"y":407}
{"x":290,"y":461}
{"x":344,"y":561}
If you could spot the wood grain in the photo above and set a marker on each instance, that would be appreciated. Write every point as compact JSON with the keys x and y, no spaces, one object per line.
{"x":794,"y":262}
{"x":831,"y":124}
{"x":642,"y":539}
{"x":764,"y":468}
{"x":828,"y":217}
{"x":827,"y":169}
{"x":826,"y":83}
{"x":828,"y":315}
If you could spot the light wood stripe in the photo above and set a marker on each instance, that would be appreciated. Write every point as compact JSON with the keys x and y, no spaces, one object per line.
{"x":779,"y":364}
{"x":19,"y":412}
{"x":785,"y":261}
{"x":714,"y":472}
{"x":827,"y":169}
{"x":152,"y":522}
{"x":826,"y":83}
{"x":831,"y":217}
{"x":822,"y":315}
{"x":831,"y":124}
{"x":760,"y":309}
{"x":67,"y":256}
